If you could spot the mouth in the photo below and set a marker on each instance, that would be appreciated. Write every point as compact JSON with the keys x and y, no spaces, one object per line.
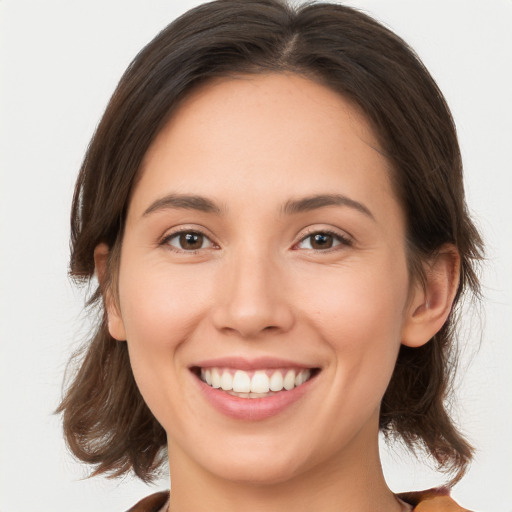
{"x":256,"y":389}
{"x":258,"y":383}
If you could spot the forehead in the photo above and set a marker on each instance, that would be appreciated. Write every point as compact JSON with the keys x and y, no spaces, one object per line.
{"x":253,"y":103}
{"x":253,"y":134}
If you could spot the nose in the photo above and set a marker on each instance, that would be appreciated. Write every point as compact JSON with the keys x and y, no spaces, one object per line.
{"x":252,"y":297}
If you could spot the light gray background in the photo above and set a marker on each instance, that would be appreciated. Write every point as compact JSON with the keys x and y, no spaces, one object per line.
{"x":59,"y":62}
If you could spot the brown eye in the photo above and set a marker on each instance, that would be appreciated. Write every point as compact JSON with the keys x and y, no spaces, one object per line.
{"x":189,"y":241}
{"x":322,"y":241}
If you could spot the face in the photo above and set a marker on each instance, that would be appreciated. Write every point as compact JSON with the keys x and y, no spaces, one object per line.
{"x":263,"y":283}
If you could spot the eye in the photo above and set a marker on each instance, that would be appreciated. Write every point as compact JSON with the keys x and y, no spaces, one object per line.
{"x":188,"y":241}
{"x":322,"y":240}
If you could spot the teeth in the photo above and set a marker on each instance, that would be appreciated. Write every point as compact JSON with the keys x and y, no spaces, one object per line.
{"x":289,"y":380}
{"x":215,"y":378}
{"x":226,"y":381}
{"x":276,"y":381}
{"x":302,"y":377}
{"x":241,"y":382}
{"x":250,"y":395}
{"x":262,"y":382}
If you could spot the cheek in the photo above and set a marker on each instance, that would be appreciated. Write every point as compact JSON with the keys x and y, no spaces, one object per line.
{"x":357,"y":302}
{"x":161,"y":310}
{"x":359,"y":315}
{"x":159,"y":306}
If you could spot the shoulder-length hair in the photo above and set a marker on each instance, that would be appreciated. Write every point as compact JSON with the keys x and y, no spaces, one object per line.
{"x":106,"y":421}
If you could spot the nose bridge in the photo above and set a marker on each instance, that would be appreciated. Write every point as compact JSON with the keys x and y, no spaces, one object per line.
{"x":253,"y":293}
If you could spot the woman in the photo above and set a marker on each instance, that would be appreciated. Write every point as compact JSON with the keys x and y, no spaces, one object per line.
{"x":273,"y":206}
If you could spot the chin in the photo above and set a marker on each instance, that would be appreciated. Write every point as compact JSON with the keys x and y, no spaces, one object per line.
{"x":259,"y":472}
{"x":255,"y":463}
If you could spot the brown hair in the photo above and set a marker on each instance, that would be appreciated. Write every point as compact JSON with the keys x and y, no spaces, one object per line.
{"x":106,"y":421}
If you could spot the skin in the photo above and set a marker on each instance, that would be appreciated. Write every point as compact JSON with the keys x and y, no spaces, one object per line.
{"x":257,"y":287}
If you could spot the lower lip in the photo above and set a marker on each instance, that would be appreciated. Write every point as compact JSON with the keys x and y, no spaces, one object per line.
{"x":253,"y":409}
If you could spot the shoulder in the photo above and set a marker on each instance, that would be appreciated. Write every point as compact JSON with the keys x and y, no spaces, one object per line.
{"x":432,"y":500}
{"x":152,"y":503}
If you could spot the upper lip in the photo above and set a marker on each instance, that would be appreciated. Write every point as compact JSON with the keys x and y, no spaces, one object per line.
{"x":258,"y":363}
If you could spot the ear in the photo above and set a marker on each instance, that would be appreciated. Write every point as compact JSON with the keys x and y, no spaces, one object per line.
{"x":431,"y":304}
{"x":115,"y":321}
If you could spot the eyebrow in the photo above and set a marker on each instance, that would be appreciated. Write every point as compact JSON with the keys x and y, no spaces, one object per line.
{"x":314,"y":202}
{"x":291,"y":207}
{"x":183,"y":202}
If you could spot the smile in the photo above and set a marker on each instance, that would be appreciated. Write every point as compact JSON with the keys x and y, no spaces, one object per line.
{"x":228,"y":384}
{"x":254,"y":384}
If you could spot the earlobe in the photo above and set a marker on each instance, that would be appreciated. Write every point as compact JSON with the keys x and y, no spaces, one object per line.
{"x":115,"y":321}
{"x":431,"y":303}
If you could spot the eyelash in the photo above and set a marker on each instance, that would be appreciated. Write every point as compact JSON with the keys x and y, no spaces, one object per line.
{"x":343,"y":240}
{"x":167,"y":239}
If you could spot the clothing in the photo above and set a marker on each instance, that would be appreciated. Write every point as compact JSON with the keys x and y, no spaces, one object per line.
{"x":153,"y":503}
{"x":432,"y":500}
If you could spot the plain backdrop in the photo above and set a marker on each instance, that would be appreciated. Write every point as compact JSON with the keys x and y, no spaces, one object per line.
{"x":59,"y":63}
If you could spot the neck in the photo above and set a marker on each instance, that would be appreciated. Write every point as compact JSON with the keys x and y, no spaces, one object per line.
{"x":343,"y":483}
